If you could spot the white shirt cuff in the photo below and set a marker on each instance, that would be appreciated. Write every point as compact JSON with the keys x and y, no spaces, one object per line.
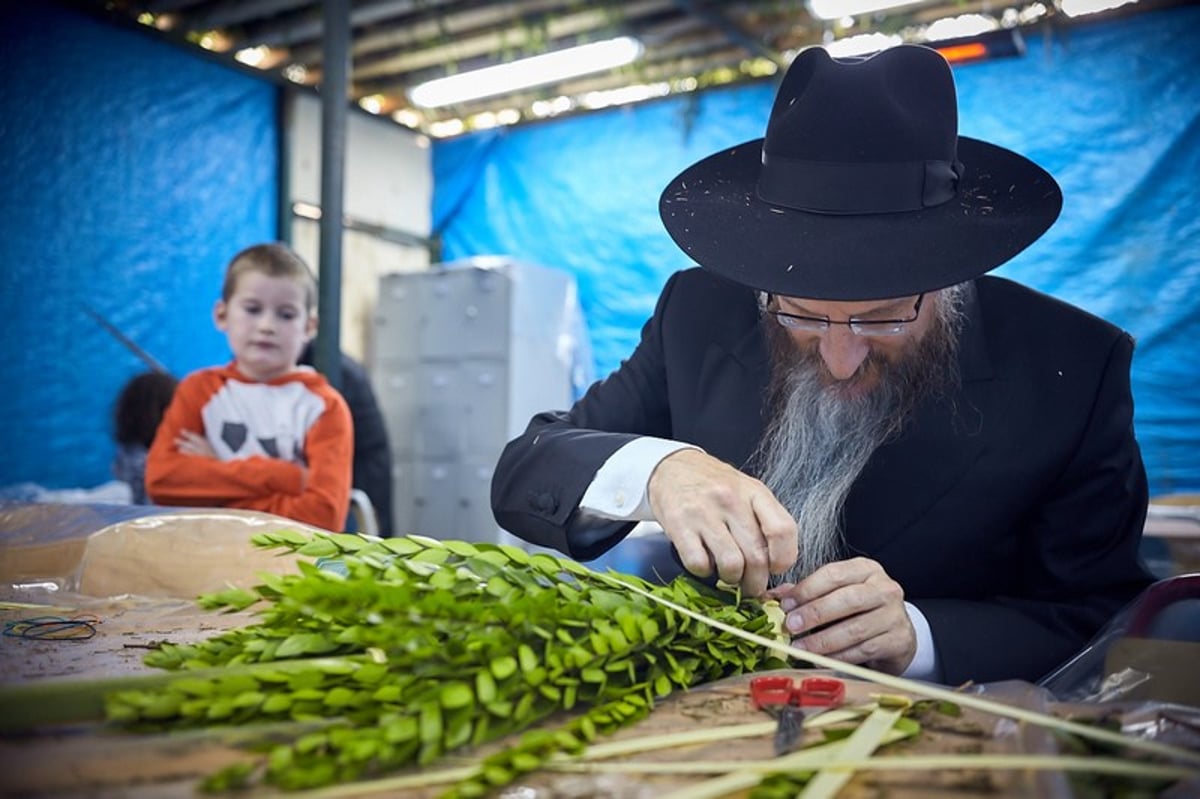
{"x":618,"y":491}
{"x":924,"y":664}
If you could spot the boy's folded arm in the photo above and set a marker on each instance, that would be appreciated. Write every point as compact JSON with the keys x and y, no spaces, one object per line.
{"x":324,"y":500}
{"x":173,"y":478}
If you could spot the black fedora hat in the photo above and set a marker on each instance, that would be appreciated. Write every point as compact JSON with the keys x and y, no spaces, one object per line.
{"x":862,"y":188}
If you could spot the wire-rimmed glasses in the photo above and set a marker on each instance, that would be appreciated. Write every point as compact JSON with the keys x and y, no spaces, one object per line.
{"x":859,"y":327}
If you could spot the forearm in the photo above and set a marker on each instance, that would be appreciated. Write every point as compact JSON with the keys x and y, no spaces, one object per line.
{"x":324,"y":499}
{"x":173,"y":478}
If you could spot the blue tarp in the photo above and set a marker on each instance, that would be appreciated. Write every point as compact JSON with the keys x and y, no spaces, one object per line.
{"x":132,"y":172}
{"x":1112,"y":109}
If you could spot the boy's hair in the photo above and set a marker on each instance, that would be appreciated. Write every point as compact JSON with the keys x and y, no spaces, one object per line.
{"x":140,"y":407}
{"x":273,"y":260}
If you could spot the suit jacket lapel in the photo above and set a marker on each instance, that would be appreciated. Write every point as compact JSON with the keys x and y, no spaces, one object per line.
{"x":734,"y":377}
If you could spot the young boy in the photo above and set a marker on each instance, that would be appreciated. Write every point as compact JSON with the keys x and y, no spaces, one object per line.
{"x":261,"y":432}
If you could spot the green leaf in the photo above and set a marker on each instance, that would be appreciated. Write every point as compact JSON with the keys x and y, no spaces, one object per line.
{"x":503,"y":666}
{"x":404,"y":728}
{"x":402,"y":546}
{"x":304,"y":644}
{"x":527,"y":658}
{"x":460,"y":548}
{"x":485,"y":686}
{"x":276,"y":703}
{"x":430,"y":724}
{"x":340,"y":697}
{"x":319,"y":548}
{"x":526,"y":762}
{"x":456,"y":694}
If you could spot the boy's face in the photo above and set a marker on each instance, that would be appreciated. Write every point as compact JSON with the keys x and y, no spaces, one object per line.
{"x":266,"y":323}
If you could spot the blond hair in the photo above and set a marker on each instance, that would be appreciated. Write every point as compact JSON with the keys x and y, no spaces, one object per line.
{"x":273,"y":260}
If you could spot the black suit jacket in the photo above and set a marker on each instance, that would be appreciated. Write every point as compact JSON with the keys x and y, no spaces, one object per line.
{"x":1010,"y":512}
{"x":372,"y":468}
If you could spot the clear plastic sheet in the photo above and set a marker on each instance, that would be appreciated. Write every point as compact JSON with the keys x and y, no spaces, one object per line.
{"x":116,"y":550}
{"x":1165,"y":616}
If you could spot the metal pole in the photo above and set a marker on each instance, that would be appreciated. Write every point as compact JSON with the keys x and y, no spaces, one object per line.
{"x":334,"y":96}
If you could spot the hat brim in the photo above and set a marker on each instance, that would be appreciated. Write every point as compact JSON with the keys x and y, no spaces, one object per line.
{"x":1003,"y":204}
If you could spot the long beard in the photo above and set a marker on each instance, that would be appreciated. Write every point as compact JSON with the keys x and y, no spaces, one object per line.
{"x":821,"y":431}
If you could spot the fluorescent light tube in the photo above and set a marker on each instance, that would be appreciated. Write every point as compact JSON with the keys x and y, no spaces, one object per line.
{"x":836,"y":9}
{"x":1075,"y":8}
{"x":523,"y":73}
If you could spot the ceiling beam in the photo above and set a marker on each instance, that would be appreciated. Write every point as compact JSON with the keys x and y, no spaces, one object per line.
{"x":736,"y":33}
{"x":234,"y":12}
{"x":467,"y":47}
{"x":304,"y":27}
{"x":419,"y":28}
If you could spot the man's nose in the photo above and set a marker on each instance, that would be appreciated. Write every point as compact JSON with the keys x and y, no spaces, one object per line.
{"x":842,"y":351}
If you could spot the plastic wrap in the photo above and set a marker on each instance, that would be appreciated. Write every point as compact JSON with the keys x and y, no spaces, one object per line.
{"x":117,"y":550}
{"x":1135,"y":656}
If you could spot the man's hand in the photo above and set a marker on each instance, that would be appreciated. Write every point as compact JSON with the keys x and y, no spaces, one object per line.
{"x":190,"y":443}
{"x":857,"y":613}
{"x":718,"y":517}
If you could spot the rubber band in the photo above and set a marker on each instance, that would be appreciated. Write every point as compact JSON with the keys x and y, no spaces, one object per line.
{"x":53,"y":628}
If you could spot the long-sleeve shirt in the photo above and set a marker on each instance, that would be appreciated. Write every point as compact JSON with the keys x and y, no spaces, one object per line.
{"x":284,"y":446}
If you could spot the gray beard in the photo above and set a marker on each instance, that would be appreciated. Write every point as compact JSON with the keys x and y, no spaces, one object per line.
{"x":819,"y":435}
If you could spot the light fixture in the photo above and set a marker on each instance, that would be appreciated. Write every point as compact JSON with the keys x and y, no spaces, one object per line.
{"x":252,"y":56}
{"x":526,"y":72}
{"x":1000,"y":43}
{"x":959,"y":27}
{"x":836,"y":9}
{"x":1075,"y":8}
{"x":862,"y":44}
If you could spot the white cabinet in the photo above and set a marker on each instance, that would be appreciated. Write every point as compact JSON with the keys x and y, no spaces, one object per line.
{"x":463,"y":356}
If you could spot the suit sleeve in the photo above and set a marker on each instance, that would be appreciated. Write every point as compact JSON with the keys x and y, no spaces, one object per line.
{"x":372,"y":451}
{"x":542,"y":474}
{"x":174,"y":478}
{"x":1081,"y":564}
{"x":324,"y":498}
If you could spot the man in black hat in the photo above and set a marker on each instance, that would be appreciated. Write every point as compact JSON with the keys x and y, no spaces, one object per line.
{"x":935,"y":469}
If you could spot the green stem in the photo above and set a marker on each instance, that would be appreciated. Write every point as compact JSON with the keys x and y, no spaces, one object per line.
{"x":28,"y":706}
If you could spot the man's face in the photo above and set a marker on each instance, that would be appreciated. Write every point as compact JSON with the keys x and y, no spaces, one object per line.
{"x":850,"y":361}
{"x":835,"y":396}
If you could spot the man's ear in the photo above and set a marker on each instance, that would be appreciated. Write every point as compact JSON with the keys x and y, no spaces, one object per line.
{"x":310,"y":328}
{"x":219,"y":315}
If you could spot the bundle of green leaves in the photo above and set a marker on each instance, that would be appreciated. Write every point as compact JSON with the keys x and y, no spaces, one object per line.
{"x":412,"y":648}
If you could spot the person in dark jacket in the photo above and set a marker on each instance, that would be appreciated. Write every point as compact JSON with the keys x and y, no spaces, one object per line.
{"x":136,"y":414}
{"x":934,"y":470}
{"x":372,"y":451}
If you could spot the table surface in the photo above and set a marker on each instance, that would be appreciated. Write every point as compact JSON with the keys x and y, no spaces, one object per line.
{"x":94,"y":761}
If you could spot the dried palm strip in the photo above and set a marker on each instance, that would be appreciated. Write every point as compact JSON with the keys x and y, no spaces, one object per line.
{"x":812,"y":760}
{"x":928,"y":690}
{"x":861,"y":744}
{"x":864,"y":740}
{"x":584,"y":761}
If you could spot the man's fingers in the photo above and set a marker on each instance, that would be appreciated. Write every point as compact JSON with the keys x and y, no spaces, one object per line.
{"x":778,"y":530}
{"x":833,"y":576}
{"x":853,"y":611}
{"x":693,"y":554}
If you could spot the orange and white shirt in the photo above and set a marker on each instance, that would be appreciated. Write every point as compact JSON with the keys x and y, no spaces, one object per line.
{"x":285,"y":446}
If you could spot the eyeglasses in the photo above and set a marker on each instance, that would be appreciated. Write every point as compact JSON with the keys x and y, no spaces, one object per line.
{"x":859,"y":327}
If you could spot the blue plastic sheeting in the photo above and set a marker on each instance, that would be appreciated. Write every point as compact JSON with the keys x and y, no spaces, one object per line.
{"x":133,"y":170}
{"x":1112,"y":109}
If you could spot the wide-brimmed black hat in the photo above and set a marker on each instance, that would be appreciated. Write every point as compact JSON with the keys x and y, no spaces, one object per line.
{"x":862,"y":188}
